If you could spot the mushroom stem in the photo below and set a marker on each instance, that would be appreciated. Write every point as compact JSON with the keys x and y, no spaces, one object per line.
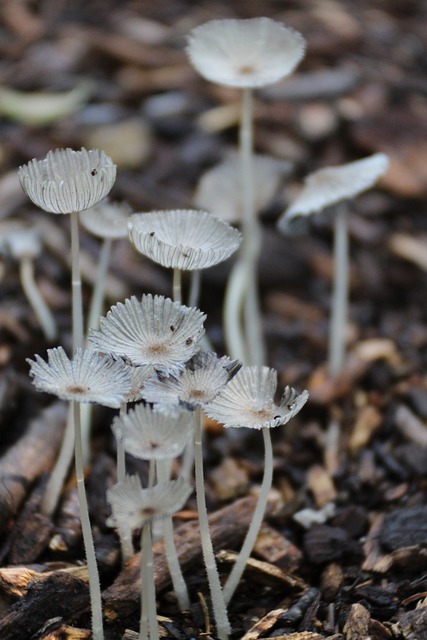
{"x":195,"y":285}
{"x":39,"y":306}
{"x":336,"y":355}
{"x":148,"y":622}
{"x":76,"y":283}
{"x":218,"y":605}
{"x":178,"y":581}
{"x":176,"y":285}
{"x":244,"y":336}
{"x":245,"y":552}
{"x":94,"y":585}
{"x":59,"y":472}
{"x":97,"y":302}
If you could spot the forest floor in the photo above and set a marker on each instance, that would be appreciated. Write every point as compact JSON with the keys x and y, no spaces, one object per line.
{"x":342,"y":553}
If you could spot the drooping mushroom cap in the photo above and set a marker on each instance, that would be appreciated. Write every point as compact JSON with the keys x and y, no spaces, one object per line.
{"x":133,"y":506}
{"x":219,"y":190}
{"x":107,"y":219}
{"x":68,"y":181}
{"x":88,"y":377}
{"x":152,"y":331}
{"x":331,"y":185}
{"x":183,"y":239}
{"x":19,"y":240}
{"x":245,"y":53}
{"x":248,"y":401}
{"x":150,"y":434}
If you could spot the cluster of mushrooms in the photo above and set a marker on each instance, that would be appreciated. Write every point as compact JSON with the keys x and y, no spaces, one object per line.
{"x":149,"y":357}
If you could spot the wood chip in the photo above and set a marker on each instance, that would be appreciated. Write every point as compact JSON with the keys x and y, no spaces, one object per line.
{"x":357,"y":625}
{"x":367,"y":422}
{"x":321,"y":485}
{"x":229,"y":480}
{"x":266,"y":573}
{"x":410,"y":426}
{"x":275,"y":548}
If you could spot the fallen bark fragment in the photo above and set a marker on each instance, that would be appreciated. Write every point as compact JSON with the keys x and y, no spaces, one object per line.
{"x":31,"y":456}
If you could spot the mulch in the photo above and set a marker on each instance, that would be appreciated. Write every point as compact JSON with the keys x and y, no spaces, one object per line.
{"x":342,"y":552}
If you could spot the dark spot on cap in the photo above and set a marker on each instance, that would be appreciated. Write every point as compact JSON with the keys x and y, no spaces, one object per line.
{"x":93,"y":172}
{"x":189,"y":341}
{"x":152,"y":233}
{"x":172,"y":328}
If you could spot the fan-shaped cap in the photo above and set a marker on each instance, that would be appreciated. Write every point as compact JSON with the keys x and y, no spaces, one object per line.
{"x":88,"y":377}
{"x":133,"y":506}
{"x":245,"y":53}
{"x":139,"y":376}
{"x":331,"y":185}
{"x":154,"y":435}
{"x":107,"y":219}
{"x":183,"y":239}
{"x":152,"y":331}
{"x":219,"y":190}
{"x":68,"y":181}
{"x":248,"y":401}
{"x":204,"y":376}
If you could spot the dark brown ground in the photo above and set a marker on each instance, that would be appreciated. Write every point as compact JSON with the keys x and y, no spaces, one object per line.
{"x":361,"y":572}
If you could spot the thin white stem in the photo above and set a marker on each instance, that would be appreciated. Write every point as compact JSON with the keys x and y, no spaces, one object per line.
{"x":253,"y":324}
{"x":60,"y":470}
{"x":178,"y":582}
{"x":94,"y":585}
{"x":187,"y":461}
{"x":121,"y":456}
{"x":143,"y":621}
{"x":97,"y":302}
{"x":125,"y":533}
{"x":195,"y":286}
{"x":251,"y":536}
{"x":223,"y":628}
{"x":176,"y":285}
{"x":36,"y":300}
{"x":76,"y":283}
{"x":339,"y":311}
{"x":233,"y":304}
{"x":147,"y":550}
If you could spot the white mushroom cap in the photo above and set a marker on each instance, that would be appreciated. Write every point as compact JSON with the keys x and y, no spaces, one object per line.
{"x":245,"y":53}
{"x":219,"y":190}
{"x":107,"y":219}
{"x":203,"y":378}
{"x":133,"y":506}
{"x":154,"y":435}
{"x":183,"y":239}
{"x":154,"y":330}
{"x":88,"y":377}
{"x":21,"y":241}
{"x":68,"y":181}
{"x":331,"y":185}
{"x":248,"y":401}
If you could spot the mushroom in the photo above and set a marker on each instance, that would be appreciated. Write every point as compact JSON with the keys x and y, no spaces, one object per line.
{"x":245,"y":54}
{"x":248,"y":401}
{"x":88,"y":377}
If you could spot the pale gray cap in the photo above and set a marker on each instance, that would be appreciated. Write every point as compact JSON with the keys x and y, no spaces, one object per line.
{"x":183,"y":239}
{"x":245,"y":53}
{"x":248,"y":401}
{"x":331,"y":185}
{"x":107,"y":219}
{"x":68,"y":181}
{"x":88,"y":377}
{"x":133,"y":506}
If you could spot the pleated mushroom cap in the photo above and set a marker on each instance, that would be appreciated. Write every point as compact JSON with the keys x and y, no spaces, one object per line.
{"x":68,"y":181}
{"x":331,"y":185}
{"x":152,"y":331}
{"x":203,"y":378}
{"x":154,"y":435}
{"x":245,"y":53}
{"x":107,"y":219}
{"x":183,"y":239}
{"x":248,"y":401}
{"x":133,"y":506}
{"x":88,"y":377}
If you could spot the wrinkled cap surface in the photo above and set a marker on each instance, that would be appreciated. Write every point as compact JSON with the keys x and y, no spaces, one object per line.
{"x":183,"y":239}
{"x":331,"y":185}
{"x":152,"y":331}
{"x":245,"y":53}
{"x":68,"y":181}
{"x":153,"y":435}
{"x":133,"y":506}
{"x":203,"y":378}
{"x":248,"y":401}
{"x":88,"y":377}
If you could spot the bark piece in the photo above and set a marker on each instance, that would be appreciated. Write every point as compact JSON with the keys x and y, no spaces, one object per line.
{"x":273,"y":547}
{"x":31,"y":456}
{"x":60,"y":594}
{"x":357,"y":625}
{"x":324,"y":544}
{"x":404,"y":528}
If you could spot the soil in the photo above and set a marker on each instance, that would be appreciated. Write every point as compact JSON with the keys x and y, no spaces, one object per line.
{"x":342,"y":552}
